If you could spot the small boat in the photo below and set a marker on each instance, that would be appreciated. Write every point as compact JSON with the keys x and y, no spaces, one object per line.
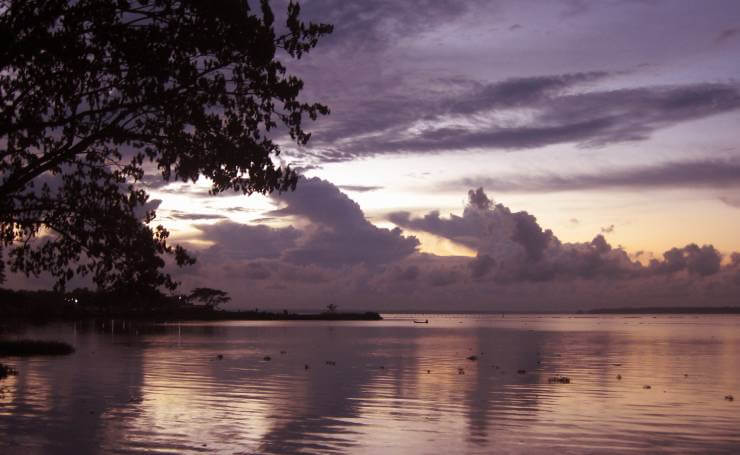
{"x":426,"y":321}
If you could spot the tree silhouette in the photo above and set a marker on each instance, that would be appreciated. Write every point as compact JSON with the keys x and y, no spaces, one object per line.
{"x":209,"y":297}
{"x":96,"y":93}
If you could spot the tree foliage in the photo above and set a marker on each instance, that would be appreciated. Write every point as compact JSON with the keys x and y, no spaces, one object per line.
{"x":94,"y":94}
{"x":209,"y":297}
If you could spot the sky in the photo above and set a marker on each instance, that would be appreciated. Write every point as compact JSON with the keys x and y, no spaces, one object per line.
{"x":494,"y":155}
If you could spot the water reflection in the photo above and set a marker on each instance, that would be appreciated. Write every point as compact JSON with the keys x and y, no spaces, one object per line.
{"x":380,"y":386}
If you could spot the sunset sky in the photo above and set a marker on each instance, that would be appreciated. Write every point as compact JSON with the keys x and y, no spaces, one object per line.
{"x":612,"y":124}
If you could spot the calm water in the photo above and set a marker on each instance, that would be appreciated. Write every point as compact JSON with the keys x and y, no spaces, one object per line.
{"x":396,"y":387}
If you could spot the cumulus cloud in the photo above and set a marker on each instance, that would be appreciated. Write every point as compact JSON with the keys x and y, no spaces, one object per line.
{"x":455,"y":227}
{"x":519,"y":264}
{"x":257,"y":271}
{"x":481,"y":265}
{"x":339,"y":234}
{"x":333,"y":239}
{"x":244,"y":241}
{"x":702,"y":261}
{"x":409,"y":273}
{"x":513,"y":247}
{"x":479,"y":199}
{"x":311,"y":274}
{"x":442,"y":277}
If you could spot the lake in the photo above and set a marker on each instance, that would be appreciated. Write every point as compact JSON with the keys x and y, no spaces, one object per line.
{"x":391,"y":386}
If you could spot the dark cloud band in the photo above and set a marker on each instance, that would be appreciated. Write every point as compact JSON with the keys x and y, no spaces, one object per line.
{"x":705,"y":173}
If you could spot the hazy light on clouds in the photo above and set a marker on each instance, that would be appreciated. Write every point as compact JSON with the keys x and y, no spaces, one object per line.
{"x":593,"y":118}
{"x":339,"y":253}
{"x":436,"y":94}
{"x":705,"y":173}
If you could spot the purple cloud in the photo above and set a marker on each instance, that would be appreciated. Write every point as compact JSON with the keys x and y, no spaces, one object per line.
{"x":513,"y":247}
{"x":727,"y":34}
{"x":708,"y":173}
{"x":561,"y":112}
{"x":338,"y":252}
{"x":341,"y":235}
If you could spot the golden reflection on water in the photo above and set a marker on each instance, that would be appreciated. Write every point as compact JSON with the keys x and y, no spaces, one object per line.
{"x":380,"y":387}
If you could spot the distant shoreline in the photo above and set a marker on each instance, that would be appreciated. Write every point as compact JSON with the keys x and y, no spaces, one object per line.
{"x":620,"y":310}
{"x":197,"y":314}
{"x":50,"y":306}
{"x":666,"y":310}
{"x":279,"y":316}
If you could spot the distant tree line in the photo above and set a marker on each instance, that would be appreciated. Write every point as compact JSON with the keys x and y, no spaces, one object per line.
{"x":199,"y":304}
{"x":83,"y":302}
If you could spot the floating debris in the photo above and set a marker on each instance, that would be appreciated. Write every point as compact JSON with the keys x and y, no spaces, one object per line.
{"x":267,"y":358}
{"x":729,"y":398}
{"x":686,"y":375}
{"x":472,"y":358}
{"x":429,"y":371}
{"x":521,"y":371}
{"x":460,"y":371}
{"x":220,"y":357}
{"x":283,"y":352}
{"x":559,"y":380}
{"x":619,"y":377}
{"x":382,"y":367}
{"x":331,"y":362}
{"x":617,"y":364}
{"x":306,"y":367}
{"x":646,"y":386}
